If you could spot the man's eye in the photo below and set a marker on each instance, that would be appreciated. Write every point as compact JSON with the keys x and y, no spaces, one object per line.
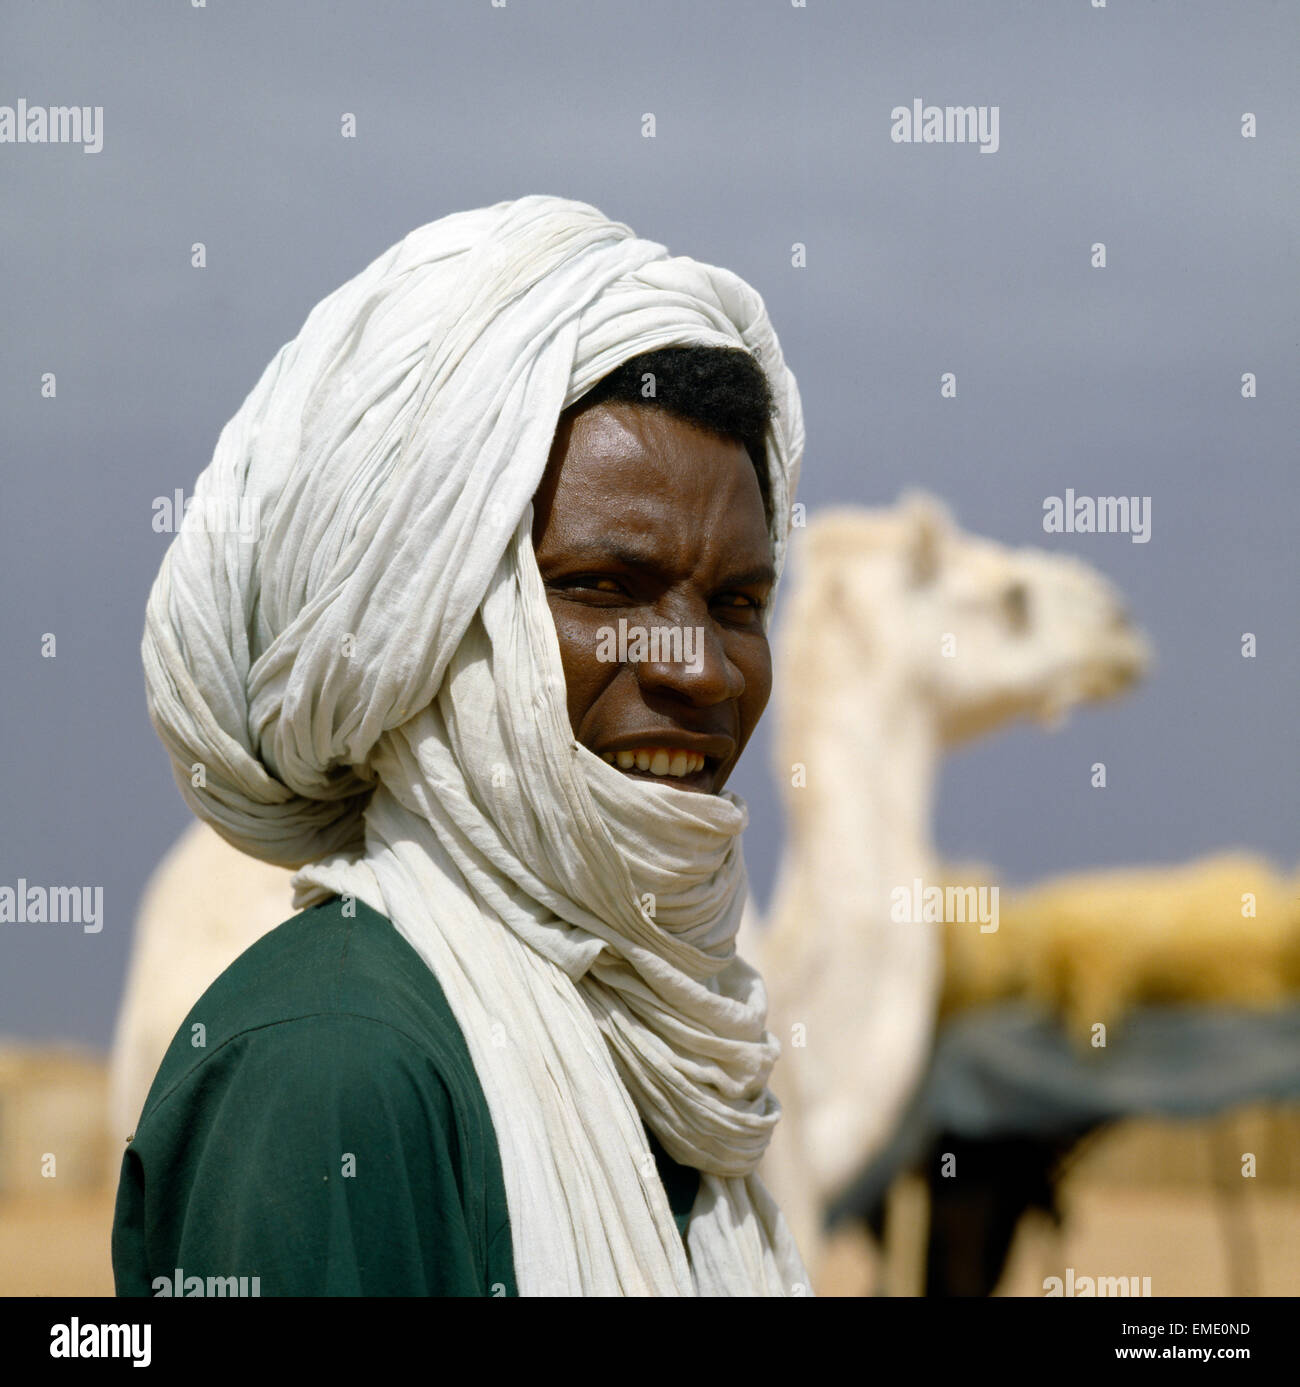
{"x":592,"y":582}
{"x":741,"y":602}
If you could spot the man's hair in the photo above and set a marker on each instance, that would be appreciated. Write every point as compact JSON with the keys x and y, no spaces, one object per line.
{"x":721,"y":389}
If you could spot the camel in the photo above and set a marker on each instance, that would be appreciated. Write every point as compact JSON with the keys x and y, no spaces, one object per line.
{"x":1089,"y":946}
{"x":904,"y":637}
{"x":207,"y":901}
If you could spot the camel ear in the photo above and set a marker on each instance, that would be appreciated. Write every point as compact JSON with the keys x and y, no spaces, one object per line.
{"x":929,"y":526}
{"x":854,"y":619}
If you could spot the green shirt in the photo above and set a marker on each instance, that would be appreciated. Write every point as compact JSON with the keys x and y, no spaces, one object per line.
{"x":317,"y":1123}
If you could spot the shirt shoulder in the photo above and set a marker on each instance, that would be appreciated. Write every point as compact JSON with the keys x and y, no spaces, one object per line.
{"x":318,"y":1114}
{"x":338,"y":959}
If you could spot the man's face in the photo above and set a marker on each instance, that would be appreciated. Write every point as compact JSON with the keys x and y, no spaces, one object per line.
{"x":647,"y":520}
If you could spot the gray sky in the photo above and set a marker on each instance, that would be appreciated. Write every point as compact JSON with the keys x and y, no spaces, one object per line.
{"x":1121,"y":125}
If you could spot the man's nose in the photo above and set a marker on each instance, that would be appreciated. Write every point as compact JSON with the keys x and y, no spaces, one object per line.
{"x":702,"y":676}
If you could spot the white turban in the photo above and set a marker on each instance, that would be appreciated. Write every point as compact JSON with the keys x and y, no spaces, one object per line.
{"x":371,"y":683}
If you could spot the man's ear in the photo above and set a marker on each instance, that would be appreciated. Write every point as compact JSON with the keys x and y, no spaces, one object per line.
{"x":928,"y":528}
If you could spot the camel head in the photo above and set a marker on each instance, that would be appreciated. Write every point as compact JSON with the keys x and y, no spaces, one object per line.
{"x":981,"y":633}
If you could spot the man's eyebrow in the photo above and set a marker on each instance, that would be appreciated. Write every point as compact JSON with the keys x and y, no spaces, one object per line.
{"x":614,"y":551}
{"x":609,"y":551}
{"x":763,"y":575}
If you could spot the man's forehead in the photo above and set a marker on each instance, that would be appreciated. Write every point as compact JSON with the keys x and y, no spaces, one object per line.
{"x":617,"y":433}
{"x":646,"y":473}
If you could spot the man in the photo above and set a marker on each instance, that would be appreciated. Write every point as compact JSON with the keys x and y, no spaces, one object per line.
{"x":523,"y":491}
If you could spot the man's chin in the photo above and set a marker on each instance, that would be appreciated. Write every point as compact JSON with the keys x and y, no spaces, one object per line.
{"x":700,"y":782}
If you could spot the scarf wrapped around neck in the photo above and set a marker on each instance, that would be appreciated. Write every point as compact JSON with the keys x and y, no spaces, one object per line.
{"x":367,"y":672}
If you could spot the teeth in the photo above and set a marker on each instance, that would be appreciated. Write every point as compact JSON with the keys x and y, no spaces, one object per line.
{"x":657,"y":760}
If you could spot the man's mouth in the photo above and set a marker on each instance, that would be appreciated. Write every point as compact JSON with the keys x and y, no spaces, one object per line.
{"x":662,"y":757}
{"x":658,"y":761}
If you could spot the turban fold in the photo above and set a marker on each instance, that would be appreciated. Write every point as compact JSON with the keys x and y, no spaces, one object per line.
{"x":370,"y":679}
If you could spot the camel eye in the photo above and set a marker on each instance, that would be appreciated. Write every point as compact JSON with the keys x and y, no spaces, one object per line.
{"x":1015,"y":603}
